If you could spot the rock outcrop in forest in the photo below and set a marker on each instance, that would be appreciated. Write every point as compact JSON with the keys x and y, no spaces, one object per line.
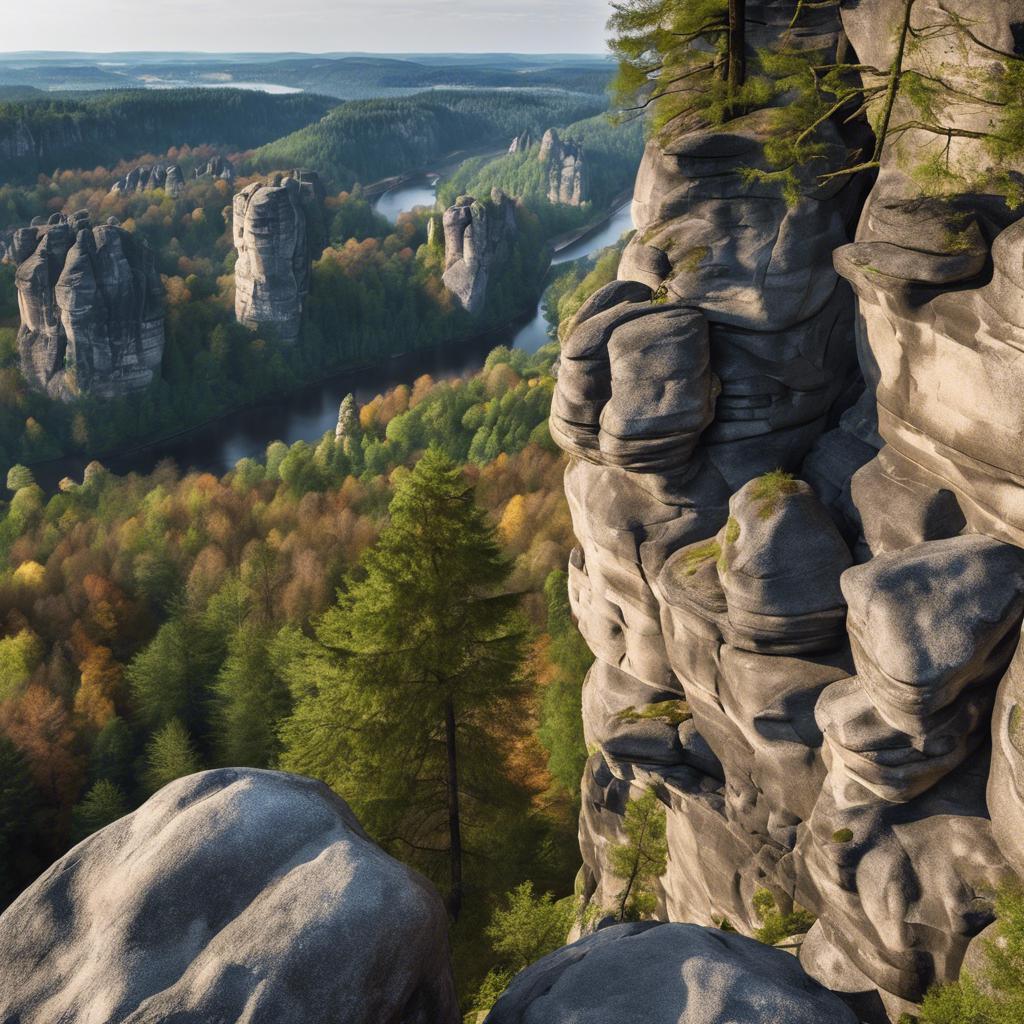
{"x":91,"y":304}
{"x":567,"y":170}
{"x":146,"y":178}
{"x":216,"y":167}
{"x":234,"y":894}
{"x":797,"y":485}
{"x":477,"y":239}
{"x":273,"y":226}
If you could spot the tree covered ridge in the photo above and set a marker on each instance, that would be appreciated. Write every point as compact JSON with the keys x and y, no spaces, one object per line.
{"x":368,"y":140}
{"x":41,"y":134}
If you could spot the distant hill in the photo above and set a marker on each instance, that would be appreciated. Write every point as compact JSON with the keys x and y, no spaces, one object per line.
{"x":352,"y":76}
{"x":364,"y":141}
{"x":44,"y":132}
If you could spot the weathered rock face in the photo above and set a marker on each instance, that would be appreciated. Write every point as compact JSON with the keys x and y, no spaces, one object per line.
{"x":91,"y":306}
{"x":522,"y":142}
{"x":216,"y":167}
{"x":814,"y":668}
{"x":146,"y":178}
{"x":477,"y":238}
{"x":567,"y":170}
{"x":230,"y":895}
{"x":272,"y":232}
{"x":650,"y":973}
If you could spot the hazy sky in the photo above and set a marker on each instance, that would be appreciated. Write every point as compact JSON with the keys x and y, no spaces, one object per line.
{"x":315,"y":26}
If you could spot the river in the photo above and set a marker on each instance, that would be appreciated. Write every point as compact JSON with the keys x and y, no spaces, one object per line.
{"x":305,"y":414}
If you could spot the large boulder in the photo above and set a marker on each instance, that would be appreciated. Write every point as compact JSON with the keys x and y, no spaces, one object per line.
{"x":230,"y":895}
{"x":650,"y":973}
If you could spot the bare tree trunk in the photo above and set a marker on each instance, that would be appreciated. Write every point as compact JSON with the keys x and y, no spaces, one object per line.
{"x":895,"y":80}
{"x":737,"y":44}
{"x":454,"y":822}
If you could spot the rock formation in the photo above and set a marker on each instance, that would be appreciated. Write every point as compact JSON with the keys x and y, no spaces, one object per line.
{"x":273,"y":227}
{"x":650,"y":973}
{"x":522,"y":142}
{"x":230,"y":895}
{"x":797,"y":486}
{"x":567,"y":171}
{"x":216,"y":167}
{"x":146,"y":178}
{"x":91,"y":306}
{"x":477,"y":239}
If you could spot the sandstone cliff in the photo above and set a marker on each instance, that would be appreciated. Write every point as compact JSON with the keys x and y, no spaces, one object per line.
{"x":275,"y":233}
{"x":567,"y":170}
{"x":477,"y":237}
{"x":800,"y":513}
{"x":146,"y":178}
{"x":91,"y":306}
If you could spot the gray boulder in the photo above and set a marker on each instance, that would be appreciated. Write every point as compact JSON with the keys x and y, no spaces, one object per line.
{"x":230,"y":895}
{"x":650,"y":973}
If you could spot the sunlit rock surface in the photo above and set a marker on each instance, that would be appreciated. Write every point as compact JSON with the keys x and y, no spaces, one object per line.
{"x":477,"y":239}
{"x":796,"y":482}
{"x":91,"y":305}
{"x":275,"y":244}
{"x":230,"y":895}
{"x":650,"y":973}
{"x":147,"y":178}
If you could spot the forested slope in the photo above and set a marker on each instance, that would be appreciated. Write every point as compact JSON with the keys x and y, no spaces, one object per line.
{"x":369,"y":140}
{"x":39,"y":135}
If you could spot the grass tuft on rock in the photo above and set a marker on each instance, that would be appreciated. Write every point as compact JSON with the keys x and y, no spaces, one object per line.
{"x":769,"y":490}
{"x":672,"y":712}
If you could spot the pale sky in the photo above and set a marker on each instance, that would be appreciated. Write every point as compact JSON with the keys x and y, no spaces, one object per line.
{"x":314,"y":26}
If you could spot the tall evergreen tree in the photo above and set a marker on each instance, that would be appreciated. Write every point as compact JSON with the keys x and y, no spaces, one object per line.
{"x":18,"y":801}
{"x":411,"y":672}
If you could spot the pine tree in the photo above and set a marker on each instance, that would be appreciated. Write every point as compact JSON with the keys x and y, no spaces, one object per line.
{"x":250,"y":702}
{"x":411,"y":671}
{"x":169,"y":756}
{"x":105,"y":802}
{"x":916,"y":96}
{"x":683,"y":59}
{"x":640,"y":861}
{"x":18,"y":800}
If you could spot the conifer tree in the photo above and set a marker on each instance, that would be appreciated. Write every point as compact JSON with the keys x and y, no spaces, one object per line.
{"x":18,"y":801}
{"x":170,"y":755}
{"x":640,"y":861}
{"x":105,"y":802}
{"x":411,"y":672}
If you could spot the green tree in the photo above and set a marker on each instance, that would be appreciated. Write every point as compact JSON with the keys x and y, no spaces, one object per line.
{"x":169,"y":755}
{"x":526,"y":928}
{"x":777,"y":924}
{"x":682,"y":58}
{"x":916,"y":95}
{"x":996,"y":995}
{"x":105,"y":802}
{"x":18,"y":800}
{"x":640,"y":861}
{"x":412,"y":668}
{"x":250,"y":702}
{"x":561,"y":717}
